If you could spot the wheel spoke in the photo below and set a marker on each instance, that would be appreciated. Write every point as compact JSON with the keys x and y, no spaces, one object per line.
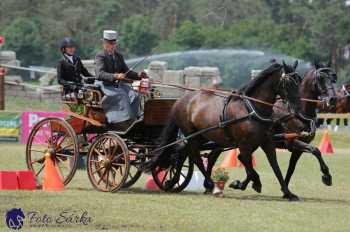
{"x":104,"y":173}
{"x":37,"y":151}
{"x":64,"y":155}
{"x":59,"y":144}
{"x":99,"y":153}
{"x":110,"y":148}
{"x":119,"y":165}
{"x":97,"y":170}
{"x":104,"y":149}
{"x":62,"y":148}
{"x":183,"y":175}
{"x":113,"y":177}
{"x":107,"y":180}
{"x":38,"y":160}
{"x":116,"y":157}
{"x":45,"y":134}
{"x":42,"y":167}
{"x":115,"y":149}
{"x":51,"y":130}
{"x":164,"y":177}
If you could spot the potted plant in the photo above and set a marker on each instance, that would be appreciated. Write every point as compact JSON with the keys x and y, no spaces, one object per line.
{"x":220,"y":177}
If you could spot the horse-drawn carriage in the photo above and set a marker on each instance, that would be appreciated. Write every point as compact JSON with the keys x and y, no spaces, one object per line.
{"x":114,"y":159}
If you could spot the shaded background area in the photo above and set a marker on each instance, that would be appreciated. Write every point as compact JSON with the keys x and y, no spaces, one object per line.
{"x":302,"y":29}
{"x":235,"y":65}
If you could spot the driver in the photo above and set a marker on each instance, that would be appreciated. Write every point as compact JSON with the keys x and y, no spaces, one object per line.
{"x":70,"y":69}
{"x":120,"y":103}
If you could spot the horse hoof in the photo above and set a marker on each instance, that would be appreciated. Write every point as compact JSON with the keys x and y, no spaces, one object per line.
{"x":168,"y":184}
{"x":291,"y":197}
{"x":235,"y":184}
{"x":327,"y":180}
{"x":209,"y":185}
{"x":207,"y":191}
{"x":257,"y":187}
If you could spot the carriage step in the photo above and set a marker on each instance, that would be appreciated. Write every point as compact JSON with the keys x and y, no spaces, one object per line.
{"x":12,"y":180}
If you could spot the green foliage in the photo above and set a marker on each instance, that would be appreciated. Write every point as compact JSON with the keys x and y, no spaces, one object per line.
{"x":136,"y":35}
{"x":23,"y":36}
{"x":220,"y":174}
{"x":296,"y":28}
{"x":189,"y":35}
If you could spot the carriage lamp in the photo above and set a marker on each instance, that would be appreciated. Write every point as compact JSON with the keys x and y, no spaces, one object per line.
{"x":145,"y":85}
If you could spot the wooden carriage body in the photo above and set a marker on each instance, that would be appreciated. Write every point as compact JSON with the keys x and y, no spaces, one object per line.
{"x":116,"y":151}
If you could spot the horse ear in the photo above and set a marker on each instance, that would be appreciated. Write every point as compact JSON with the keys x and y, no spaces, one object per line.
{"x":329,"y":63}
{"x":284,"y":65}
{"x":316,"y":63}
{"x":295,"y":65}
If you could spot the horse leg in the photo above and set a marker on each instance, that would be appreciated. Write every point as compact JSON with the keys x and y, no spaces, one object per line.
{"x":292,"y":163}
{"x":194,"y":154}
{"x":246,"y":158}
{"x":301,"y":146}
{"x":237,"y":184}
{"x":212,"y":158}
{"x":270,"y":152}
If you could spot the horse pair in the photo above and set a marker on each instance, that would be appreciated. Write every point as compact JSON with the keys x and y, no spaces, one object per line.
{"x":247,"y":122}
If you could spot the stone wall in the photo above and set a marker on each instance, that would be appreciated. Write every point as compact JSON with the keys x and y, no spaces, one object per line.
{"x":24,"y":90}
{"x":196,"y":77}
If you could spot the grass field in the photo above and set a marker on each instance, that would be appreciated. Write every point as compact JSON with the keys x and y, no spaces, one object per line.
{"x":25,"y":104}
{"x":321,"y":208}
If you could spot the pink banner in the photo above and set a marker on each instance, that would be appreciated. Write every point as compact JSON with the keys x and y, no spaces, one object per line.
{"x":29,"y":119}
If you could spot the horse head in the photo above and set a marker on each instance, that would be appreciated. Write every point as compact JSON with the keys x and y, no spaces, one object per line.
{"x":324,"y":79}
{"x":289,"y":86}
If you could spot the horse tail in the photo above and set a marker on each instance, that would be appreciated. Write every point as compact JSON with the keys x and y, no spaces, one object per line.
{"x":168,"y":135}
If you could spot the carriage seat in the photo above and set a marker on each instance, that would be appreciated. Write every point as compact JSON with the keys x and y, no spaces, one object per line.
{"x":86,"y":94}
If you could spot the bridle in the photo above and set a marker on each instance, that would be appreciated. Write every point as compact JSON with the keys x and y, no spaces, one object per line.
{"x":323,"y":73}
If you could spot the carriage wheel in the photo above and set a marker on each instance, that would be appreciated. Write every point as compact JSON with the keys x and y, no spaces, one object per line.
{"x":164,"y":178}
{"x":108,"y":163}
{"x":135,"y":171}
{"x":56,"y":137}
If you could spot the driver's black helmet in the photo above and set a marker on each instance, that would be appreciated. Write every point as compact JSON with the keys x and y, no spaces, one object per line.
{"x":66,"y":42}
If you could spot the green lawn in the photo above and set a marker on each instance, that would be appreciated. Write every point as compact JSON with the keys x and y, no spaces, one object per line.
{"x":321,"y":208}
{"x":24,"y":104}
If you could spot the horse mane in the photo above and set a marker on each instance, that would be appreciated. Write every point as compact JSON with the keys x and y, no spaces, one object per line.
{"x":257,"y":81}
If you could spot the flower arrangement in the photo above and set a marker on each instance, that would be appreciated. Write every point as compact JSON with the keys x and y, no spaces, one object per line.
{"x":220,"y":175}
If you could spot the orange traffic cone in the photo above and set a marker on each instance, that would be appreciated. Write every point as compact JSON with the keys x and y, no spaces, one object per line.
{"x":230,"y":160}
{"x":151,"y":184}
{"x":253,"y":162}
{"x":325,"y":146}
{"x":51,"y":179}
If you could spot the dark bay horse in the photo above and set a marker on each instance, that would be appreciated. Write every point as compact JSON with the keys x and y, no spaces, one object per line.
{"x":342,"y":105}
{"x":317,"y":84}
{"x":248,"y":130}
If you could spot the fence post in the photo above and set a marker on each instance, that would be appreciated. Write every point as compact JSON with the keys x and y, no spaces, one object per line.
{"x":2,"y":88}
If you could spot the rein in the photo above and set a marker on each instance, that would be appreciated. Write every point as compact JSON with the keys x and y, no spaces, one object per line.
{"x":227,"y":93}
{"x":222,"y":92}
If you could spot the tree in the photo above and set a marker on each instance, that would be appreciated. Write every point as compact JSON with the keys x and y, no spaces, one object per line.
{"x":23,"y":37}
{"x":136,"y":36}
{"x":189,"y":35}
